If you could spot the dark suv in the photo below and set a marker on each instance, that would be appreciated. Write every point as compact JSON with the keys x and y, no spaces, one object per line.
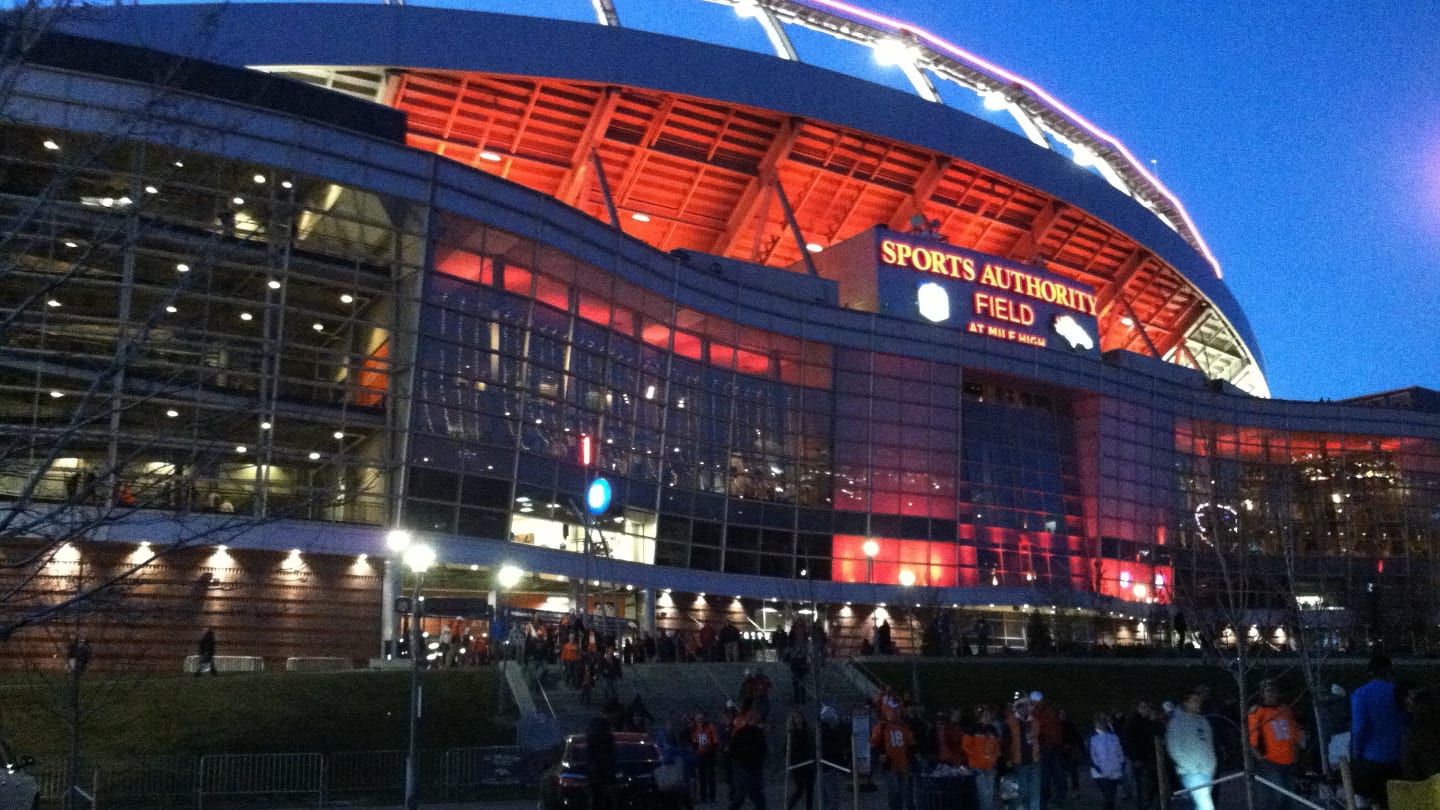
{"x":566,"y":785}
{"x":18,"y":788}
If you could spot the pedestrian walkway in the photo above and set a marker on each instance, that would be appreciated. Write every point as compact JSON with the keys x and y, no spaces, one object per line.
{"x":1087,"y":799}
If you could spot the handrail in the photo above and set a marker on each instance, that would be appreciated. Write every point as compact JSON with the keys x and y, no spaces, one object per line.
{"x":545,"y":693}
{"x":716,"y":681}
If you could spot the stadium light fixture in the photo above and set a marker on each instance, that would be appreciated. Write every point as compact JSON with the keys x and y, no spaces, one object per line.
{"x":890,"y":52}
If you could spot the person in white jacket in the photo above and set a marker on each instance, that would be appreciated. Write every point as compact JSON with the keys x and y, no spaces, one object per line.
{"x":1107,"y":760}
{"x":1191,"y":744}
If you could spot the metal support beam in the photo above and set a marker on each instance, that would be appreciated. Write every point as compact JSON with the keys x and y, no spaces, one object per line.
{"x":1139,"y":326}
{"x":744,"y":208}
{"x":605,"y":12}
{"x":1029,"y":247}
{"x":774,"y":30}
{"x":1028,"y":126}
{"x":571,"y":186}
{"x":1123,"y":276}
{"x":795,"y":227}
{"x":920,"y":80}
{"x":924,"y":187}
{"x":605,"y":189}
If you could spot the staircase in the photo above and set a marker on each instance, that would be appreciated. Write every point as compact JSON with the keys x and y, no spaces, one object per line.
{"x":670,"y":690}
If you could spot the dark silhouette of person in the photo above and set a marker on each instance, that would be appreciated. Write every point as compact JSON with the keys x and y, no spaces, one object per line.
{"x":77,"y":656}
{"x":600,"y":755}
{"x":207,"y":653}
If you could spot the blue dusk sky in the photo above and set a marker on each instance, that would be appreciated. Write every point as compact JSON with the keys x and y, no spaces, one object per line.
{"x":1302,"y":137}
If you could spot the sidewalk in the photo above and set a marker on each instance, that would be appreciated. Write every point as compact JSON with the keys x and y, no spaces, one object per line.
{"x":1088,"y":799}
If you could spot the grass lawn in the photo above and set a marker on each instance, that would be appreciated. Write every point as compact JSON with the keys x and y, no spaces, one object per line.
{"x":276,"y":712}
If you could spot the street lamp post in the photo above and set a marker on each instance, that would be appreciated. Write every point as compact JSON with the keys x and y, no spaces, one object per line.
{"x":871,"y":548}
{"x":418,"y":558}
{"x":507,"y":577}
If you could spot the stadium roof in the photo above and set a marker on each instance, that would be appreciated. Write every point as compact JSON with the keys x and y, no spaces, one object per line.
{"x":703,"y":147}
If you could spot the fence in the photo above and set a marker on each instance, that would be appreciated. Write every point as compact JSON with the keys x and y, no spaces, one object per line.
{"x":179,"y":782}
{"x":261,"y":775}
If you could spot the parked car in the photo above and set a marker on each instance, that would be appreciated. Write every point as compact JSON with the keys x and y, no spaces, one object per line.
{"x":18,"y":788}
{"x":566,"y":784}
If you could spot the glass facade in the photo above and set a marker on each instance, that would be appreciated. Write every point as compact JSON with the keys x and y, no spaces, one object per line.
{"x":190,"y":331}
{"x":196,"y":333}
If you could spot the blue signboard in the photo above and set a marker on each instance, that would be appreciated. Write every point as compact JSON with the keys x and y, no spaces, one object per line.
{"x":984,"y":295}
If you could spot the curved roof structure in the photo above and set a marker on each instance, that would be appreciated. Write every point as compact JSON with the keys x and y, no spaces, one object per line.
{"x":690,"y":145}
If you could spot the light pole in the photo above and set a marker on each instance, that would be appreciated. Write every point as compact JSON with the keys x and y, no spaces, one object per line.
{"x":396,"y":541}
{"x":418,"y":558}
{"x":507,"y":577}
{"x":871,"y":548}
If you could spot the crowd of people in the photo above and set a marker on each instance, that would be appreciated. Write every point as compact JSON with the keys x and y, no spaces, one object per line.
{"x":731,"y":746}
{"x":1024,"y":753}
{"x":1028,"y":754}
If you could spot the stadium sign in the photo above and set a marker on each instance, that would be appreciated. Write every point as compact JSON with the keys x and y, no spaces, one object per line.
{"x":994,"y":297}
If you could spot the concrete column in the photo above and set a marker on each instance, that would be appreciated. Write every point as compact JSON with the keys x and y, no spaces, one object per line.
{"x":645,"y":609}
{"x":389,"y":589}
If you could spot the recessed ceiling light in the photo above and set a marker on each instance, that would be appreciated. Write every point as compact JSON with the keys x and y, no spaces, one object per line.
{"x":273,"y":284}
{"x":1127,"y":321}
{"x":639,"y":217}
{"x":172,"y":413}
{"x":70,"y":244}
{"x":238,"y":200}
{"x":51,"y":145}
{"x":182,"y":268}
{"x":286,"y":184}
{"x":171,"y":309}
{"x":492,"y":157}
{"x":179,"y":164}
{"x":245,"y":316}
{"x":347,"y":298}
{"x":813,"y":247}
{"x":314,"y":456}
{"x":56,"y":394}
{"x":339,"y":434}
{"x":240,"y":448}
{"x":151,"y":190}
{"x":318,"y":327}
{"x":264,"y":425}
{"x":52,"y":303}
{"x":259,"y":178}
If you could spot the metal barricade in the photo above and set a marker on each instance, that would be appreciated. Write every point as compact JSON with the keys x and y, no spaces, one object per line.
{"x":261,"y":774}
{"x":148,"y":781}
{"x":468,"y":769}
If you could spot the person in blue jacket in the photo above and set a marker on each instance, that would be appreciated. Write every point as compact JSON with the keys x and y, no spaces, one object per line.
{"x":1377,"y":730}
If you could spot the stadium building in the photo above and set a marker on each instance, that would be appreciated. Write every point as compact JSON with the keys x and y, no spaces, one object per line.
{"x":282,"y":278}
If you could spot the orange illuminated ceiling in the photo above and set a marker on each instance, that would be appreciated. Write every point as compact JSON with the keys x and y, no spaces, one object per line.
{"x":702,"y":172}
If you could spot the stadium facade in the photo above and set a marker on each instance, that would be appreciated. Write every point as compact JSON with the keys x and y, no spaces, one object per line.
{"x":837,"y":346}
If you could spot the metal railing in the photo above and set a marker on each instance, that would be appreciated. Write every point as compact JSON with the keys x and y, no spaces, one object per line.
{"x":176,"y":782}
{"x":261,"y":774}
